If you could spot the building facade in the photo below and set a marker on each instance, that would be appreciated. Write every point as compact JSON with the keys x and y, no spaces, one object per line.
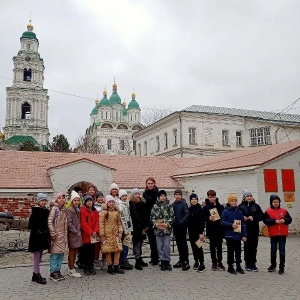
{"x":112,"y":123}
{"x":207,"y":130}
{"x":27,"y":100}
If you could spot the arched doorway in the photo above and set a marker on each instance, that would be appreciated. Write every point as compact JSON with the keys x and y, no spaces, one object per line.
{"x":83,"y":184}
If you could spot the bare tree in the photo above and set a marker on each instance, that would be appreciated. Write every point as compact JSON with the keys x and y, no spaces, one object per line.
{"x":125,"y":147}
{"x":152,"y":115}
{"x":89,"y":144}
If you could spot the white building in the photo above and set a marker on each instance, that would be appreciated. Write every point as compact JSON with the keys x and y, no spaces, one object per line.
{"x":206,"y":130}
{"x":112,"y":124}
{"x":27,"y":100}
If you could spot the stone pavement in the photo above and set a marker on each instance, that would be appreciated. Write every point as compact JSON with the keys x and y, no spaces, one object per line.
{"x":152,"y":283}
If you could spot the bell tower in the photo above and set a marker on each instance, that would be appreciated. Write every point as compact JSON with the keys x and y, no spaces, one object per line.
{"x":27,"y":100}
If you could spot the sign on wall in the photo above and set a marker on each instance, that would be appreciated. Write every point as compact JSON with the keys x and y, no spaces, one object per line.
{"x":288,"y":180}
{"x":270,"y":178}
{"x":289,"y":197}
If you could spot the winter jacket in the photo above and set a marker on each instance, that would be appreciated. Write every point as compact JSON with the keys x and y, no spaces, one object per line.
{"x":213,"y":228}
{"x":39,"y":238}
{"x":252,"y":209}
{"x":228,"y":216}
{"x":58,"y":227}
{"x":125,"y":216}
{"x":150,"y":197}
{"x":138,"y":216}
{"x":110,"y":228}
{"x":89,"y":220}
{"x":271,"y":215}
{"x":181,"y":212}
{"x":74,"y":228}
{"x":162,"y":211}
{"x":98,"y":207}
{"x":196,"y":220}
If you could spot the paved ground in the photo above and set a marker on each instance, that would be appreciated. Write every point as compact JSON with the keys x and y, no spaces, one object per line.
{"x":153,"y":284}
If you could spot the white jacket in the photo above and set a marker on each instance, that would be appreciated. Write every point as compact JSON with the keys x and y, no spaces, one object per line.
{"x":125,"y":216}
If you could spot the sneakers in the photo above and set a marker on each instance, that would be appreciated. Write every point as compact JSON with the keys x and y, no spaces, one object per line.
{"x":201,"y":269}
{"x":117,"y":270}
{"x":178,"y":265}
{"x":61,"y":276}
{"x":144,"y":264}
{"x":153,"y":262}
{"x":92,"y":271}
{"x":196,"y":266}
{"x":97,"y":265}
{"x":254,"y":268}
{"x":168,"y":266}
{"x":185,"y":266}
{"x":214,"y":267}
{"x":240,"y":270}
{"x":231,"y":270}
{"x":74,"y":274}
{"x":138,"y":265}
{"x":248,"y":268}
{"x":272,"y":268}
{"x":125,"y":265}
{"x":221,"y":267}
{"x":86,"y":272}
{"x":37,"y":277}
{"x":103,"y":264}
{"x":281,"y":271}
{"x":54,"y":276}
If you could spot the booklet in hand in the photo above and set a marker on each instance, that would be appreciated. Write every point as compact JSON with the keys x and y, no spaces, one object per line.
{"x":199,"y":243}
{"x":238,"y":223}
{"x":214,"y":213}
{"x":95,"y":239}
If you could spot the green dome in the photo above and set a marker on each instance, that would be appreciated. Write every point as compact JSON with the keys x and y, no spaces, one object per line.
{"x":124,"y":111}
{"x":133,"y":104}
{"x":94,"y":111}
{"x":104,"y":102}
{"x":115,"y":99}
{"x":29,"y":35}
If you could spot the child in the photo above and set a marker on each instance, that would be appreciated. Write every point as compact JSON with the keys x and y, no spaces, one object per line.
{"x":252,"y":216}
{"x":99,"y":264}
{"x":214,"y":231}
{"x":181,"y":213}
{"x":277,"y":219}
{"x":139,"y":221}
{"x":195,"y":228}
{"x":74,"y":232}
{"x":39,"y":235}
{"x":127,"y":228}
{"x":162,"y":218}
{"x":89,"y":220}
{"x":58,"y":227}
{"x":110,"y":234}
{"x":235,"y":230}
{"x":92,"y":190}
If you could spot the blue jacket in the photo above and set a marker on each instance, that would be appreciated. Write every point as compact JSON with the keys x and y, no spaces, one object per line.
{"x":228,"y":216}
{"x":181,"y":212}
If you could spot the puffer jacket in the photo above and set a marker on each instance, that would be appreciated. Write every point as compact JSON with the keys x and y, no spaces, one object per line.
{"x":110,"y":228}
{"x":181,"y":212}
{"x":74,"y":228}
{"x":125,"y":216}
{"x":89,"y":220}
{"x":252,"y":209}
{"x":228,"y":216}
{"x":58,"y":228}
{"x":162,"y":211}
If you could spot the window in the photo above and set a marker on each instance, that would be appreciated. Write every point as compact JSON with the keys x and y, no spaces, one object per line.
{"x":106,"y":115}
{"x":260,"y":136}
{"x":27,"y":75}
{"x":122,"y":144}
{"x":192,"y":136}
{"x":109,"y":144}
{"x":225,"y":137}
{"x":134,"y":147}
{"x":239,"y":141}
{"x":174,"y":137}
{"x":139,"y":150}
{"x":25,"y":108}
{"x":145,"y":148}
{"x":157,"y":144}
{"x":166,"y":140}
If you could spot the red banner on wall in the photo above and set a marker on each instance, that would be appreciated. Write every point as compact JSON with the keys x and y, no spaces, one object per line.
{"x":270,"y":178}
{"x":288,"y":180}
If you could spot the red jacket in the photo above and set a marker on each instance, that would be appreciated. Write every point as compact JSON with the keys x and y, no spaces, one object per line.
{"x":89,"y":220}
{"x":273,"y":214}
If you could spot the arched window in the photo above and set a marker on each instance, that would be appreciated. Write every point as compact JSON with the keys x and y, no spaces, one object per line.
{"x":25,"y":108}
{"x":27,"y":75}
{"x":106,"y":125}
{"x":122,"y":126}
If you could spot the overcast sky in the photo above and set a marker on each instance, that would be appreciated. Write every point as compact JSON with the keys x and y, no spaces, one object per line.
{"x":174,"y":53}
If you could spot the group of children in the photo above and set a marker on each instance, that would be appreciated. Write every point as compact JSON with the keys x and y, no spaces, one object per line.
{"x":90,"y":224}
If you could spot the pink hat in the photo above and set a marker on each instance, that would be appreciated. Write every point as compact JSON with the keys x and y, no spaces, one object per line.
{"x":109,"y":198}
{"x":58,"y":196}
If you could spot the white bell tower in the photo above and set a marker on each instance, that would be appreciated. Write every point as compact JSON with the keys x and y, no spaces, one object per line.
{"x":27,"y":100}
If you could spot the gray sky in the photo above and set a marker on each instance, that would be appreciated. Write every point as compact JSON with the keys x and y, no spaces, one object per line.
{"x":233,"y":53}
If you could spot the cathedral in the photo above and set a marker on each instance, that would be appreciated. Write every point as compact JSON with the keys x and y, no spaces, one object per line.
{"x":27,"y":100}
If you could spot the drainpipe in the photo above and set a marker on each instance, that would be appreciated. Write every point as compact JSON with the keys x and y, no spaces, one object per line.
{"x":180,"y":128}
{"x":276,"y":138}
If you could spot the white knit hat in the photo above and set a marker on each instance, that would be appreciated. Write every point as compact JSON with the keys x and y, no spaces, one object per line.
{"x":114,"y":186}
{"x":122,"y":193}
{"x":74,"y":195}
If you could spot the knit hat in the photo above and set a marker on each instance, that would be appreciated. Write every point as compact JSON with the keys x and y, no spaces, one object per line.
{"x":74,"y":195}
{"x":58,"y":196}
{"x":178,"y":191}
{"x":134,"y":191}
{"x":41,"y":197}
{"x":114,"y":186}
{"x":122,"y":193}
{"x":246,"y":193}
{"x":87,"y":197}
{"x":274,"y":197}
{"x":161,"y":192}
{"x":193,"y":195}
{"x":231,"y":198}
{"x":99,"y":194}
{"x":109,"y":198}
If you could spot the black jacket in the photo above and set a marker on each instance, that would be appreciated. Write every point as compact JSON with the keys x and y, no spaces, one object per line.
{"x":39,"y":238}
{"x":181,"y":212}
{"x":138,"y":217}
{"x":196,"y":221}
{"x":150,"y":197}
{"x":252,"y":209}
{"x":213,"y":228}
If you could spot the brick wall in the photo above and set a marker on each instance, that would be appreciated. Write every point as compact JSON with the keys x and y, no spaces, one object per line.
{"x":19,"y":207}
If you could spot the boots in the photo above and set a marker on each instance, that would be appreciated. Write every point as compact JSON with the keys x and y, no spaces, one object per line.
{"x":168,"y":266}
{"x":239,"y":269}
{"x":37,"y":277}
{"x":185,"y":266}
{"x":138,"y":265}
{"x":231,"y":270}
{"x":117,"y":270}
{"x":281,"y":264}
{"x":110,"y":270}
{"x":163,"y":266}
{"x":142,"y":263}
{"x":272,"y":268}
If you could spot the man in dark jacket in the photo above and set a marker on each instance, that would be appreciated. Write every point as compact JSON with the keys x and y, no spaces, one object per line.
{"x":252,"y":216}
{"x":212,"y":213}
{"x":181,"y":212}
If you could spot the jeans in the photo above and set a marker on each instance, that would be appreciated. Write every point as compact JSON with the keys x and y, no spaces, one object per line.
{"x":234,"y":250}
{"x":163,"y":247}
{"x":124,"y":253}
{"x":215,"y":243}
{"x":275,"y":242}
{"x":56,"y":260}
{"x":180,"y":237}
